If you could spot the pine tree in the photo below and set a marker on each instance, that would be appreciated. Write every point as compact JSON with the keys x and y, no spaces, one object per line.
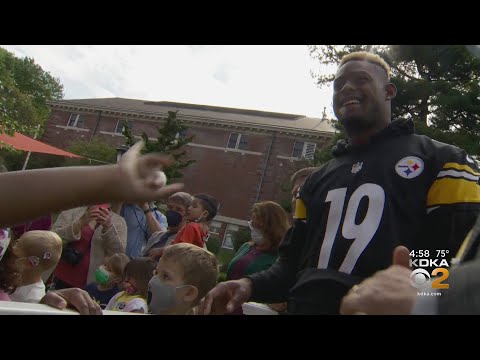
{"x":437,"y":87}
{"x":170,"y":140}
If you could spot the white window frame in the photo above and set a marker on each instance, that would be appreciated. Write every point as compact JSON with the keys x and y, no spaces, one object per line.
{"x":76,"y":120}
{"x":229,"y":227}
{"x":238,"y":141}
{"x":177,"y":135}
{"x":129,"y":122}
{"x":304,"y":150}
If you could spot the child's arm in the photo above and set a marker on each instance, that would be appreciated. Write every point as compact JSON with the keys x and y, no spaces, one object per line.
{"x":65,"y":226}
{"x":152,"y":220}
{"x":28,"y":194}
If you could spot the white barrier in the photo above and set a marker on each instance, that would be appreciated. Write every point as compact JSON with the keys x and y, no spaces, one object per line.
{"x":19,"y":308}
{"x":252,"y":308}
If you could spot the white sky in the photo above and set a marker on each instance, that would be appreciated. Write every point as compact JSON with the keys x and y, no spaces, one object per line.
{"x":259,"y":77}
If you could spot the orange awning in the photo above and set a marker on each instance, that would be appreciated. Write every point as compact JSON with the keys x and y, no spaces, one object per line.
{"x":22,"y":142}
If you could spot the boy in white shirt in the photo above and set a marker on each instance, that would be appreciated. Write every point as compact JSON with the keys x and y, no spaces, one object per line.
{"x":36,"y":251}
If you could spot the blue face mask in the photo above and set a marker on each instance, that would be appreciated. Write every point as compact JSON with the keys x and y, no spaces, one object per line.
{"x":173,"y":218}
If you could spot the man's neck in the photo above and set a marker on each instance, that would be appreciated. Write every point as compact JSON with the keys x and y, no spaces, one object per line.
{"x":365,"y":136}
{"x":30,"y":277}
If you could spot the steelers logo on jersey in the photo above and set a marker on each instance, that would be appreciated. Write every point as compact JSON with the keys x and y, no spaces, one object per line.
{"x":409,"y":167}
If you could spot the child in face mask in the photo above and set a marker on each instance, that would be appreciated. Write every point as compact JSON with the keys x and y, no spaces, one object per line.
{"x":268,"y":226}
{"x":184,"y":275}
{"x":204,"y":208}
{"x":138,"y":273}
{"x":35,"y":252}
{"x":108,"y":277}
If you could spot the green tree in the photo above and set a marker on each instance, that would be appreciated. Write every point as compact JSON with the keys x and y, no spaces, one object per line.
{"x":95,"y":150}
{"x":169,"y":141}
{"x":437,"y":86}
{"x":214,"y":244}
{"x":25,"y":89}
{"x":14,"y":160}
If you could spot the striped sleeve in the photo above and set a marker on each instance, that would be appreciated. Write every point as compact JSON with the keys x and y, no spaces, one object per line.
{"x":456,"y":182}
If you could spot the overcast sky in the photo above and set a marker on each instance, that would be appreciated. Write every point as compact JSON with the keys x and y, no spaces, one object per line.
{"x":271,"y":77}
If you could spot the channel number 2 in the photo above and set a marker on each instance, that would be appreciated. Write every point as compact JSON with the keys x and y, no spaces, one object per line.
{"x":361,"y":233}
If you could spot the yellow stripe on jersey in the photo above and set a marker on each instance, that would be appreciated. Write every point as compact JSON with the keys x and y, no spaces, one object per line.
{"x":452,"y":191}
{"x":461,"y":168}
{"x":300,"y":210}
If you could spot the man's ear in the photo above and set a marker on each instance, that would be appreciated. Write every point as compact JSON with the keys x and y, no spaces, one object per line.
{"x":391,"y":91}
{"x":191,"y":294}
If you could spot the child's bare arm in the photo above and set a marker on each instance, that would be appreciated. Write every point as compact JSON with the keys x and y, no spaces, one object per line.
{"x":32,"y":193}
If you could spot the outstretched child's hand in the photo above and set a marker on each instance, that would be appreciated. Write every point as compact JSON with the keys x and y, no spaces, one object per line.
{"x":141,"y":178}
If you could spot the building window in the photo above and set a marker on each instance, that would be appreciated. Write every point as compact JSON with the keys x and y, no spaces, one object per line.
{"x":215,"y":227}
{"x":182,"y":134}
{"x":76,"y":120}
{"x":121,"y":123}
{"x":303,"y":150}
{"x":237,"y":141}
{"x":228,"y":237}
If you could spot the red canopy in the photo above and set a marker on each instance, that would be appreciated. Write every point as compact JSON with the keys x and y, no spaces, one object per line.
{"x":22,"y":142}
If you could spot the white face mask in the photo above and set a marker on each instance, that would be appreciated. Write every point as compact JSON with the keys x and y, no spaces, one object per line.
{"x":201,"y":217}
{"x":257,"y":236}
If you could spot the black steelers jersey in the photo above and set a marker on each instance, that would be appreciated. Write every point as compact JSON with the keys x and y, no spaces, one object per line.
{"x":400,"y":189}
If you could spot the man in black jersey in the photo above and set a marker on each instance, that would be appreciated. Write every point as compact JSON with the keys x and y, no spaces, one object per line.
{"x":385,"y":187}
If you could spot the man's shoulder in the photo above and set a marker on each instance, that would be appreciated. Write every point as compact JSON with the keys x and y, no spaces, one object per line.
{"x":435,"y":144}
{"x":448,"y":153}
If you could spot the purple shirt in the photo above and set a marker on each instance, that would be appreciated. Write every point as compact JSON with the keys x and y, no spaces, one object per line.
{"x":41,"y":223}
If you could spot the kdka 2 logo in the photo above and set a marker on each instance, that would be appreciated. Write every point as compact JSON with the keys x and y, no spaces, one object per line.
{"x":421,"y":278}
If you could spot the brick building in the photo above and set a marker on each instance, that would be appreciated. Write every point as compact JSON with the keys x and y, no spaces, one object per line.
{"x":242,"y":156}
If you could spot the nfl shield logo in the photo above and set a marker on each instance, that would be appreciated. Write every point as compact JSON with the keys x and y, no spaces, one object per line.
{"x":357,"y":167}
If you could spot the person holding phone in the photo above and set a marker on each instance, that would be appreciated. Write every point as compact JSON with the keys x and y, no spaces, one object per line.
{"x":90,"y":233}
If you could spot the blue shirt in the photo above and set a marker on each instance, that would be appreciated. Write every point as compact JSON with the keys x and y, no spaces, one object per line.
{"x":101,"y":297}
{"x":137,"y":228}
